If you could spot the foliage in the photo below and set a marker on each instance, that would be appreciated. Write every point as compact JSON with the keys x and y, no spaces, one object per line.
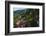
{"x":26,"y":14}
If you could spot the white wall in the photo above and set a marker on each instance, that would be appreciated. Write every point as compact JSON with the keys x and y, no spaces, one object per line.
{"x":2,"y":18}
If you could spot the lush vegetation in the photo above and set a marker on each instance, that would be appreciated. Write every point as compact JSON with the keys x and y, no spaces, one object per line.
{"x":30,"y":15}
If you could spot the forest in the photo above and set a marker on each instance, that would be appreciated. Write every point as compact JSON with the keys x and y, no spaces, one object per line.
{"x":26,"y":18}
